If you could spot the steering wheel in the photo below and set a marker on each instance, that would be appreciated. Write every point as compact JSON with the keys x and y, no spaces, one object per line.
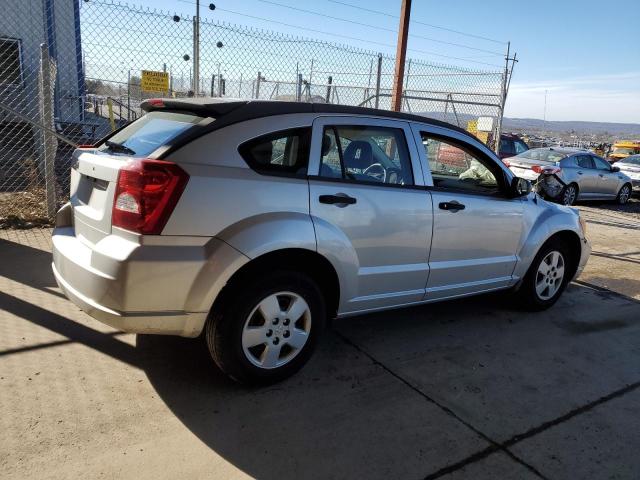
{"x":380,"y":174}
{"x":394,"y":176}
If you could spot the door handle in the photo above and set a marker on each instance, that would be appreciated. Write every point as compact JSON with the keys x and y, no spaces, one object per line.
{"x":453,"y":206}
{"x":339,"y":199}
{"x":579,"y":173}
{"x":601,"y":175}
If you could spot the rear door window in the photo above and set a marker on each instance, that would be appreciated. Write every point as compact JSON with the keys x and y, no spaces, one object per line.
{"x":585,"y":161}
{"x":148,"y":133}
{"x":367,"y":154}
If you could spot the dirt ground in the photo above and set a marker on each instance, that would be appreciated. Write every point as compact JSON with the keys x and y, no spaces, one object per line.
{"x":463,"y":389}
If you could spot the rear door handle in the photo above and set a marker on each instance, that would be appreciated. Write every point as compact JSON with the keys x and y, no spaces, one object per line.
{"x":339,"y":199}
{"x":453,"y":206}
{"x":601,"y":175}
{"x":579,"y":173}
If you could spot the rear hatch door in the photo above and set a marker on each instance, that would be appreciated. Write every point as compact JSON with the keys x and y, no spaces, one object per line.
{"x":94,"y":174}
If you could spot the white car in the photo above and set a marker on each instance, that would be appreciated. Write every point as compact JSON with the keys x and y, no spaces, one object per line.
{"x":630,"y":166}
{"x":254,"y":222}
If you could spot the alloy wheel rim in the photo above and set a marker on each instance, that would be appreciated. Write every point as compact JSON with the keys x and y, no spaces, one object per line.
{"x":550,"y":275}
{"x":569,"y":195}
{"x":276,"y":330}
{"x":624,"y":194}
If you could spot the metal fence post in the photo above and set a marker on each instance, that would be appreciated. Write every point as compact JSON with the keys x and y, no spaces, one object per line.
{"x":258,"y":85}
{"x":46,"y":85}
{"x":299,"y":88}
{"x":329,"y":82}
{"x":378,"y":76}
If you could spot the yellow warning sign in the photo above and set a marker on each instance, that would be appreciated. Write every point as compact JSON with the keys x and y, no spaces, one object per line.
{"x":153,"y":81}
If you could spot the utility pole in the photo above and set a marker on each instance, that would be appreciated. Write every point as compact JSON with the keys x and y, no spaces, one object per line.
{"x":196,"y":51}
{"x":544,"y":115}
{"x":506,"y":82}
{"x":401,"y":53}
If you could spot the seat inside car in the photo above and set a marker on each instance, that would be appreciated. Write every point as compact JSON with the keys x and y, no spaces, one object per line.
{"x":358,"y":156}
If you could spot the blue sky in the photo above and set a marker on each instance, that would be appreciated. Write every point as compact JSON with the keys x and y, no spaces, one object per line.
{"x":585,"y":55}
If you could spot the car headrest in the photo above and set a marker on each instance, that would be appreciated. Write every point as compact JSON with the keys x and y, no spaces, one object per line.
{"x":358,"y":155}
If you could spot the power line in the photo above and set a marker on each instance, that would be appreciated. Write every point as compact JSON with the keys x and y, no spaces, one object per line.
{"x":369,"y":41}
{"x":379,"y":28}
{"x":418,"y":22}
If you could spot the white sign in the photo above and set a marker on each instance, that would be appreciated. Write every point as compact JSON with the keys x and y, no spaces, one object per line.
{"x":485,"y":124}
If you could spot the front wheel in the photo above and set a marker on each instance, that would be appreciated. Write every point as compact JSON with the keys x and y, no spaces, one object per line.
{"x":267,"y":326}
{"x":547,"y":277}
{"x":624,"y":194}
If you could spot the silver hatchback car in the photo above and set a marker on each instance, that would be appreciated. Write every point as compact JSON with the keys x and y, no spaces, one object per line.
{"x":568,"y":175}
{"x":255,"y":222}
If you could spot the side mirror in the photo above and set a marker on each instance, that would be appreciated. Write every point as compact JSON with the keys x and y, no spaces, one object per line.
{"x":615,"y":169}
{"x":520,"y":187}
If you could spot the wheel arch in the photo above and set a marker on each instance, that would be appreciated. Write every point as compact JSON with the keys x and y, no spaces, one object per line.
{"x":296,"y":259}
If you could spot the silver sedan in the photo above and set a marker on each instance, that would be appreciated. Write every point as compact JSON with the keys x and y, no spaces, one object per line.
{"x":568,"y":175}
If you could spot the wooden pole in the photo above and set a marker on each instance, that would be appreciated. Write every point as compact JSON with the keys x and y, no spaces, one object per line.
{"x":401,"y":53}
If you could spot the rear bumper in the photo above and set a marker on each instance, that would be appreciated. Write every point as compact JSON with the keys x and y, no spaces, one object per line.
{"x":158,"y":288}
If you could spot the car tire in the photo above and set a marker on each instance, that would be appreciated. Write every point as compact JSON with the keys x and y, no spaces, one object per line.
{"x":569,"y":194}
{"x":540,"y":290}
{"x":255,"y":311}
{"x":624,"y":194}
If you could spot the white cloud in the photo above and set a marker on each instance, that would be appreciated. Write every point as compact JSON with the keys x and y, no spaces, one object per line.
{"x":599,"y":98}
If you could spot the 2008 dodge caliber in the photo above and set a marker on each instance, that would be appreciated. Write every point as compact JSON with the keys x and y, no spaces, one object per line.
{"x":254,"y":222}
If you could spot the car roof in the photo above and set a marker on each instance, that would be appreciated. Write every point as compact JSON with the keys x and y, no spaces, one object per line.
{"x":237,"y":110}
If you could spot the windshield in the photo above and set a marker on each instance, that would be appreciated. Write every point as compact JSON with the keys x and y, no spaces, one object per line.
{"x":149,"y":132}
{"x":624,"y":151}
{"x":635,"y":160}
{"x":543,"y":155}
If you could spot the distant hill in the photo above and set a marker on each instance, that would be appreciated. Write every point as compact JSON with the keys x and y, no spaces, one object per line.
{"x":536,"y":125}
{"x":531,"y":124}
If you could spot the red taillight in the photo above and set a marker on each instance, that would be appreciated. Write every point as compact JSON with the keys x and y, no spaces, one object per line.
{"x":156,"y":102}
{"x":550,"y":170}
{"x":146,"y":194}
{"x":87,"y":146}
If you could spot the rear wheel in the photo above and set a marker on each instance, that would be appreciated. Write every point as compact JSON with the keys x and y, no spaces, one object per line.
{"x":266,"y":327}
{"x":547,"y":276}
{"x":570,"y":194}
{"x":624,"y":194}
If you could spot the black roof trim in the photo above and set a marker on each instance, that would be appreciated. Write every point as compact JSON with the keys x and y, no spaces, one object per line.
{"x":235,"y":110}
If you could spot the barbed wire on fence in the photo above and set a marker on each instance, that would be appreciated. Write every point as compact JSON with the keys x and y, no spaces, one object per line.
{"x":100,"y":48}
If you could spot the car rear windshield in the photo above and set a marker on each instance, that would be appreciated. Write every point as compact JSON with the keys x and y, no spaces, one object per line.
{"x":543,"y":155}
{"x":149,"y":132}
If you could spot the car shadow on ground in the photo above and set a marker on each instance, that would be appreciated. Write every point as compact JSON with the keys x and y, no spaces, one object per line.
{"x":343,"y":415}
{"x":346,"y":413}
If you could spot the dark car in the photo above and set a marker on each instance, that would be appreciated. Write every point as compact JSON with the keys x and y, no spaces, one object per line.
{"x":511,"y":145}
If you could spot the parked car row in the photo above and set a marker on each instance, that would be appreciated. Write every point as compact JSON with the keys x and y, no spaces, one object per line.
{"x":254,"y":222}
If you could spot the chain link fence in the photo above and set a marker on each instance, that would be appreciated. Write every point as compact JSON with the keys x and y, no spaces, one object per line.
{"x":91,"y":54}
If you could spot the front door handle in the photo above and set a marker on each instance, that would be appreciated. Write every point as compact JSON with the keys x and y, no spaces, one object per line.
{"x":579,"y":173}
{"x":601,"y":175}
{"x":339,"y":199}
{"x":452,"y":206}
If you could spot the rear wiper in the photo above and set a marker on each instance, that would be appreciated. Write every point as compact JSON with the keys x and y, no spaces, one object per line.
{"x":118,"y":147}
